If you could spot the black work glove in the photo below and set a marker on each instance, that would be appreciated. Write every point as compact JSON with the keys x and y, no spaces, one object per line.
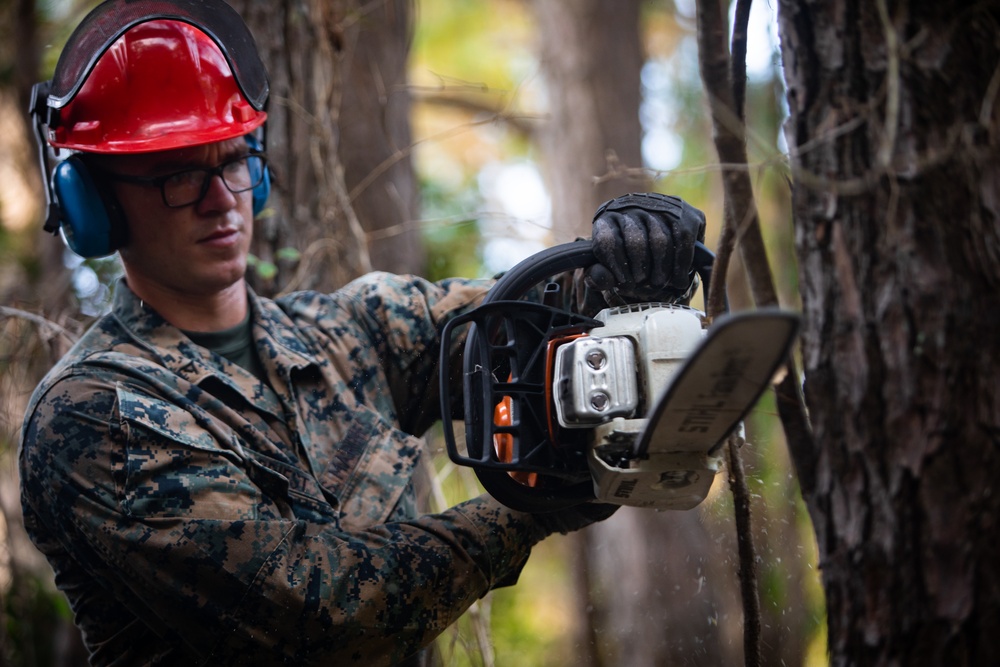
{"x":574,"y":518}
{"x":646,"y":242}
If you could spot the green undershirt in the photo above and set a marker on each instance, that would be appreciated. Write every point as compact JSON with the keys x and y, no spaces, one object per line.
{"x":235,"y":344}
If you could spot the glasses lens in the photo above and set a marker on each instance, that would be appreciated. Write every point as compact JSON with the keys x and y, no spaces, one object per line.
{"x":243,"y":174}
{"x":187,"y":187}
{"x":184,"y":187}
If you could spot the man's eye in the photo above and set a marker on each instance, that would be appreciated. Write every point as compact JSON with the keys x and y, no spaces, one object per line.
{"x":191,"y":177}
{"x":236,"y":165}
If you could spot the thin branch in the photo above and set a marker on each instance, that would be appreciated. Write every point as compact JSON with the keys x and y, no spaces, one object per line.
{"x":713,"y":56}
{"x":401,"y":153}
{"x":738,"y":60}
{"x":523,"y":124}
{"x":41,"y":322}
{"x":747,"y":553}
{"x":888,"y":144}
{"x":740,"y":205}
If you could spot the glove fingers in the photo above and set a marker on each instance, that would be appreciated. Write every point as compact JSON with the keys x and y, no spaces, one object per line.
{"x":646,"y":242}
{"x":685,"y":228}
{"x":636,"y":247}
{"x":600,"y":277}
{"x":609,"y":246}
{"x":660,"y":244}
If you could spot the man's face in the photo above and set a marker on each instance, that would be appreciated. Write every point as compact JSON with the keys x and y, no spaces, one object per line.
{"x":193,"y":251}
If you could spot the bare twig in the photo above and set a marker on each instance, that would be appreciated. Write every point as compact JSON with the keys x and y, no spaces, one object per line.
{"x":42,"y":322}
{"x":404,"y":152}
{"x":888,"y":143}
{"x":497,"y":110}
{"x":747,"y":553}
{"x":738,"y":60}
{"x":713,"y":56}
{"x":730,"y":144}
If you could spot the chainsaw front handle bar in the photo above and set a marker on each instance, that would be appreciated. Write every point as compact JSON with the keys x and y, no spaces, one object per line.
{"x":516,"y":282}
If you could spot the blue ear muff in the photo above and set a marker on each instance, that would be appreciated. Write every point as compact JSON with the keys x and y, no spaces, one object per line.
{"x":263,"y":190}
{"x":90,"y":223}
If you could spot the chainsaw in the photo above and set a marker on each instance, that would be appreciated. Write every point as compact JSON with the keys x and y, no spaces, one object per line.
{"x":631,"y":406}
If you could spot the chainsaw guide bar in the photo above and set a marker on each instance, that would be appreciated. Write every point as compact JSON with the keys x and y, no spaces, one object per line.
{"x":677,"y":453}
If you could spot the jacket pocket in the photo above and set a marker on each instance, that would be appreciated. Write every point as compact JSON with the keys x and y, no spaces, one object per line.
{"x":174,"y":466}
{"x":371,"y":469}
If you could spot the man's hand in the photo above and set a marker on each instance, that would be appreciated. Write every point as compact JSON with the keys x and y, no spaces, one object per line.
{"x":646,"y":242}
{"x":568,"y":520}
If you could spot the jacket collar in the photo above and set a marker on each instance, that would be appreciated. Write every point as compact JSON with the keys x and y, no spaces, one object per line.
{"x":282,"y":349}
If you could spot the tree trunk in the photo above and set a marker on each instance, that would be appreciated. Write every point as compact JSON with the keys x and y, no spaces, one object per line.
{"x":375,"y":136}
{"x":345,"y":192}
{"x":592,"y":55}
{"x":894,"y":132}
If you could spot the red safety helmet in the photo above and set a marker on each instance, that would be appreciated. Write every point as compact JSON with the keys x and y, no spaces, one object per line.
{"x":162,"y":84}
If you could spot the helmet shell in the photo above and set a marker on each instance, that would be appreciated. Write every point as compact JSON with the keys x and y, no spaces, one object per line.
{"x":163,"y":84}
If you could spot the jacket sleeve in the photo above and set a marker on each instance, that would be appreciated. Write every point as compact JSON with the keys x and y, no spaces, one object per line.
{"x":189,"y":538}
{"x":404,"y":316}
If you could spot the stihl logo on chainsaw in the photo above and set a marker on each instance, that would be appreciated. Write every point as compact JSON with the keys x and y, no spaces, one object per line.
{"x":700,"y":419}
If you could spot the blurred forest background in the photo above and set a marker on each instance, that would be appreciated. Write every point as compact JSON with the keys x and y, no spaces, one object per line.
{"x":456,"y":138}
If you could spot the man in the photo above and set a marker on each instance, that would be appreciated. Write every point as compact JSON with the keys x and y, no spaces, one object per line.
{"x":218,"y":478}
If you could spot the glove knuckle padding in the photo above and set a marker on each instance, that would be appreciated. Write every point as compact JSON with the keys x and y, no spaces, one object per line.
{"x":650,"y":201}
{"x":647,"y":242}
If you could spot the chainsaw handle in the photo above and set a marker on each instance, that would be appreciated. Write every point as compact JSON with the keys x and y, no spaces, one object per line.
{"x":516,"y":282}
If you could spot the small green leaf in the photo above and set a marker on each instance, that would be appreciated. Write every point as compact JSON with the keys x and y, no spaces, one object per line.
{"x":287,"y":254}
{"x":266,"y":270}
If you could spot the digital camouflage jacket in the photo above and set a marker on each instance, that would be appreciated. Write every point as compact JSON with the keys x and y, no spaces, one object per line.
{"x":194,"y":515}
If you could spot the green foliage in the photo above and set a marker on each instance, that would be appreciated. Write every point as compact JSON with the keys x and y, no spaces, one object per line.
{"x":264,"y":270}
{"x":527,"y":625}
{"x":269,"y":270}
{"x":484,"y":43}
{"x":532,"y":621}
{"x":33,"y":614}
{"x":450,"y":231}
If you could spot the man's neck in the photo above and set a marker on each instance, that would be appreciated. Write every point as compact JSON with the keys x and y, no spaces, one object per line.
{"x":197,"y":312}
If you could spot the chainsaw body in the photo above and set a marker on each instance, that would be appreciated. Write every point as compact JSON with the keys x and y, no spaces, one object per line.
{"x":629,"y":407}
{"x":607,"y":382}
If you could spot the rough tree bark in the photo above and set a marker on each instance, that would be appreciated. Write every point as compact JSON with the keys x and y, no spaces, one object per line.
{"x":345,"y":194}
{"x":894,"y":129}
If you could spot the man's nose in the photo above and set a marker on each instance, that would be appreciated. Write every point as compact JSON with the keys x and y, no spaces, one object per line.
{"x":217,"y":197}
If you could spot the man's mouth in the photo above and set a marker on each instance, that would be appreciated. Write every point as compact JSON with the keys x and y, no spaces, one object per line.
{"x":220,"y":236}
